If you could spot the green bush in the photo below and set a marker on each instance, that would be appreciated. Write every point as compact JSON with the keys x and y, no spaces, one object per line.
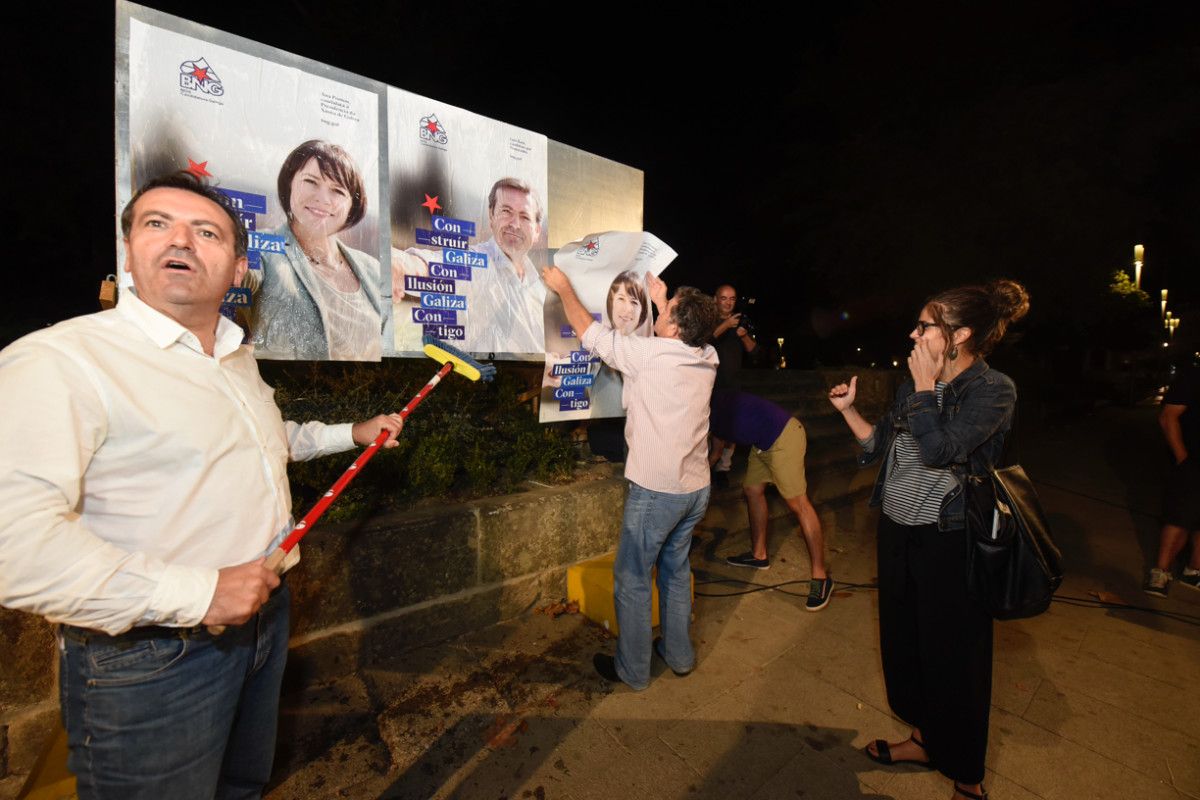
{"x":466,"y":440}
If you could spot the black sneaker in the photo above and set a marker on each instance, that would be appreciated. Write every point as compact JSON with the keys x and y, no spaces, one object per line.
{"x":747,"y":559}
{"x":606,"y":667}
{"x":819,"y":592}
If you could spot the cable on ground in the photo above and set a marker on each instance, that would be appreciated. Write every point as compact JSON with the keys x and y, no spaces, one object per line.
{"x":1083,"y":602}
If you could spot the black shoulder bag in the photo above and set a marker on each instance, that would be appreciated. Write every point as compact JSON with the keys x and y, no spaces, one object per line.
{"x":1013,"y":565}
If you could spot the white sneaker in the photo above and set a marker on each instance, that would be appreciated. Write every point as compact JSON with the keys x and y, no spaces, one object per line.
{"x":1156,"y":582}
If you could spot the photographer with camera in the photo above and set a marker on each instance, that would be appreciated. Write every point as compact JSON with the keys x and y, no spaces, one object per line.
{"x":733,"y":340}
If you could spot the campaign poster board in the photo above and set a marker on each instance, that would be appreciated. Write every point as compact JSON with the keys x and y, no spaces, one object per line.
{"x":233,"y":112}
{"x":469,"y":223}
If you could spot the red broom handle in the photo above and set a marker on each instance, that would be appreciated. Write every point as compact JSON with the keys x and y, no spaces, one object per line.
{"x":314,"y":514}
{"x":275,"y":559}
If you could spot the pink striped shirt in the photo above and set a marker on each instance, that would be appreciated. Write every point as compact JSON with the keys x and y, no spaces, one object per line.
{"x":666,"y":394}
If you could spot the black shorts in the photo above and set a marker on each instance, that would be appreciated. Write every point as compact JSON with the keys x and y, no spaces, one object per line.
{"x":1181,"y":501}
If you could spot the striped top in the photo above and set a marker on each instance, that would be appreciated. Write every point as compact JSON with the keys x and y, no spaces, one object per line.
{"x":913,"y":492}
{"x":667,"y":388}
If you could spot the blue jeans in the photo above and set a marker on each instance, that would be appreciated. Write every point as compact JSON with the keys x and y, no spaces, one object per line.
{"x":157,"y":712}
{"x":656,"y":530}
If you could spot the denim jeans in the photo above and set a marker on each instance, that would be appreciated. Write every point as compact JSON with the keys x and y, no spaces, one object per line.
{"x":656,"y":530}
{"x":157,"y":713}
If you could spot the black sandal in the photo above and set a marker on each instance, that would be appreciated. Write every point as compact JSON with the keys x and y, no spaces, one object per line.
{"x":967,"y":793}
{"x":884,"y":754}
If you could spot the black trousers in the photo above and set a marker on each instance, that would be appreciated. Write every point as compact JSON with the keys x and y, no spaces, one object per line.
{"x":936,"y":645}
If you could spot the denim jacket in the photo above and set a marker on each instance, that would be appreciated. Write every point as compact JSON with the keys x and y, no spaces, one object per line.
{"x":966,"y":436}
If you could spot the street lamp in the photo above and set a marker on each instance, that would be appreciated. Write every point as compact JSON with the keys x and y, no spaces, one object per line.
{"x":1164,"y":303}
{"x":1139,"y":255}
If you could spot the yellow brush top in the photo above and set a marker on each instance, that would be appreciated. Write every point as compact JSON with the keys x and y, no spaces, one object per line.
{"x":463,"y":364}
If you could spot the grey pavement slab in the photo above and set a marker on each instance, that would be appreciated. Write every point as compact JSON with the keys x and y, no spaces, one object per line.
{"x":1088,"y":702}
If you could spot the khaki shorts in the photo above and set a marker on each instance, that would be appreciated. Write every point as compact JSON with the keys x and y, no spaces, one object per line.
{"x":783,"y":464}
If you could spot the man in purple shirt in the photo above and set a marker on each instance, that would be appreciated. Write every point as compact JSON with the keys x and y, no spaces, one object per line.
{"x":778,"y":444}
{"x":668,"y":379}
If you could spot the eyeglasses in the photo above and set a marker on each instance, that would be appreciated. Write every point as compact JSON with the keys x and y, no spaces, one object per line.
{"x":923,"y":326}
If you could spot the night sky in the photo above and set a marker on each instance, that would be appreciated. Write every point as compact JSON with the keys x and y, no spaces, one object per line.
{"x":838,"y":168}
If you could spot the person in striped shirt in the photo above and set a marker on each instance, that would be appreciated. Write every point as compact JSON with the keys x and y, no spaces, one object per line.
{"x":668,"y":381}
{"x":948,"y":422}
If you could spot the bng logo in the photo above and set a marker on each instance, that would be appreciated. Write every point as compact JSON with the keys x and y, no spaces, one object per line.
{"x":433,"y":131}
{"x":590,"y":248}
{"x":198,"y":76}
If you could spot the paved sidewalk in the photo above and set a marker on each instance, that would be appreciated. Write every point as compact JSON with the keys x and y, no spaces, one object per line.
{"x":1087,"y":702}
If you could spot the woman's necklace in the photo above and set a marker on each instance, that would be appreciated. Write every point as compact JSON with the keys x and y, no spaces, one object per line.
{"x":332,"y":268}
{"x":323,"y":260}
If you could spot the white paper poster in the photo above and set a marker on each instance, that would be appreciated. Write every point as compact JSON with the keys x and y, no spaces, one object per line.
{"x":608,"y":272}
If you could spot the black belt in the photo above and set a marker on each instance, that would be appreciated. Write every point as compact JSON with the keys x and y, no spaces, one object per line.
{"x":143,"y":632}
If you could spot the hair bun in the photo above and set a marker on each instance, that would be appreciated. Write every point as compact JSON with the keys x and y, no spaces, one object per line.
{"x":1010,"y":299}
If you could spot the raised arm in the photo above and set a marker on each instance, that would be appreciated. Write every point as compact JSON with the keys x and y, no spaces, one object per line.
{"x":578,"y":316}
{"x":658,"y":292}
{"x":842,"y":397}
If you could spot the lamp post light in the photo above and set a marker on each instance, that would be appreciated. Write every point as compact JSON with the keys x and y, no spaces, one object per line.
{"x":782,"y":357}
{"x":1164,"y":303}
{"x":1139,"y":255}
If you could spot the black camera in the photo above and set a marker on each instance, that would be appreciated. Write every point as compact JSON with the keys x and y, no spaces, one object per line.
{"x":744,"y":306}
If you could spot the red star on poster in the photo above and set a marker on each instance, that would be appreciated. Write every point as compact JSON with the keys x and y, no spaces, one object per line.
{"x":432,"y":204}
{"x":200,"y":170}
{"x":200,"y":74}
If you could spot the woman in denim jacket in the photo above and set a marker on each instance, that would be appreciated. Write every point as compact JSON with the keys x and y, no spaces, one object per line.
{"x":949,"y":421}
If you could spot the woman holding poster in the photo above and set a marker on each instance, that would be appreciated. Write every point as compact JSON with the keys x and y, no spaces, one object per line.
{"x":318,"y":298}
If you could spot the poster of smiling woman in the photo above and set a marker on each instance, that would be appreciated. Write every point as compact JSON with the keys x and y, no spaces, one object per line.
{"x":468,"y":221}
{"x":608,"y":271}
{"x":297,"y":152}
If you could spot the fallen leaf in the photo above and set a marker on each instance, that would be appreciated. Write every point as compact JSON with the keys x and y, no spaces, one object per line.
{"x":503,"y":732}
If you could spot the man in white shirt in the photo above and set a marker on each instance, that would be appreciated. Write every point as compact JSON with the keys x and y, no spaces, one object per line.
{"x":505,"y":298}
{"x":668,"y":379}
{"x":142,"y":481}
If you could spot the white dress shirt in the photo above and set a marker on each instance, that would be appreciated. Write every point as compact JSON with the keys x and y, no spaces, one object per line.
{"x":133,"y":466}
{"x":504,"y":310}
{"x":667,"y":389}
